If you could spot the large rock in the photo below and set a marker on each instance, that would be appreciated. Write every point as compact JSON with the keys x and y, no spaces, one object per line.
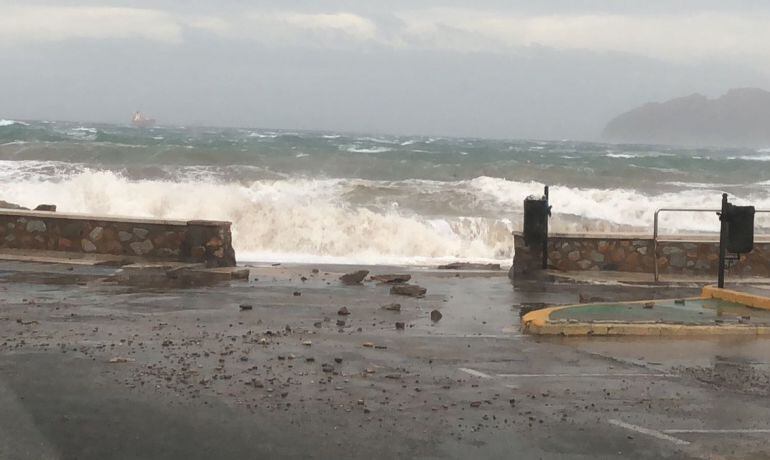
{"x":354,"y":277}
{"x":411,"y":290}
{"x":7,"y":205}
{"x":46,"y":207}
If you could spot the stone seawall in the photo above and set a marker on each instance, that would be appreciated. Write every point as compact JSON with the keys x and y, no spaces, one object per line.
{"x":199,"y":241}
{"x":685,"y":255}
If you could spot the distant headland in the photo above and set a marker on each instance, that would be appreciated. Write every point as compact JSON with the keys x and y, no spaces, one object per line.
{"x":739,"y":118}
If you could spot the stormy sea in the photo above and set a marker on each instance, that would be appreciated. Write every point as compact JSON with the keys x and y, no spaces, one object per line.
{"x":377,"y":199}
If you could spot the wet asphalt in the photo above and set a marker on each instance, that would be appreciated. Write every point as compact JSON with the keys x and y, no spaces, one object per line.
{"x":92,"y":369}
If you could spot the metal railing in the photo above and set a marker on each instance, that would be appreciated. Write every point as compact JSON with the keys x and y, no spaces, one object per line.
{"x":655,"y":230}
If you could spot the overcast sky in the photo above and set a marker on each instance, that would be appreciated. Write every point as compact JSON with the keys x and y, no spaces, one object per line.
{"x":550,"y":69}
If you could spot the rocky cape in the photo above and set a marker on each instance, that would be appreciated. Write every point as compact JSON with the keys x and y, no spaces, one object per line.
{"x":739,"y":118}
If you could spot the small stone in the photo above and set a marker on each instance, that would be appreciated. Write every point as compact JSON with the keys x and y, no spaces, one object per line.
{"x":297,"y":294}
{"x":343,"y":311}
{"x":326,"y":367}
{"x":245,"y":307}
{"x":476,"y":404}
{"x":309,"y":359}
{"x":340,"y":322}
{"x":649,"y":305}
{"x":353,"y":278}
{"x":121,"y":359}
{"x":141,"y":233}
{"x":87,"y":245}
{"x":262,"y":341}
{"x":435,"y":315}
{"x":96,"y":234}
{"x":338,"y":360}
{"x":36,"y":226}
{"x":141,"y":248}
{"x":400,"y":325}
{"x":318,"y":324}
{"x":46,"y":207}
{"x":392,"y":307}
{"x":368,"y":345}
{"x":307,"y":343}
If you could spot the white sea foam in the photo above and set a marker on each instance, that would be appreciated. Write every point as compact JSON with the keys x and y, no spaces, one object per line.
{"x":752,"y":158}
{"x":356,"y":149}
{"x":4,"y":122}
{"x":264,"y":135}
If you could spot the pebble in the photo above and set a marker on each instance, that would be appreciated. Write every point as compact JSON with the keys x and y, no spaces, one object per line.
{"x":435,"y":315}
{"x":343,"y":311}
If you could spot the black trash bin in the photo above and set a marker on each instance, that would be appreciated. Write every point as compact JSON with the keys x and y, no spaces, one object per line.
{"x":740,"y":229}
{"x":536,"y":212}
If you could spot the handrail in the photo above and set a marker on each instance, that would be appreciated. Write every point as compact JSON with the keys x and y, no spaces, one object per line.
{"x":655,"y":229}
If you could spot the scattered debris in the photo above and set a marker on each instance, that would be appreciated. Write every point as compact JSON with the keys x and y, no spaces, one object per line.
{"x":469,"y":266}
{"x":585,"y":298}
{"x":435,"y":316}
{"x":343,"y":311}
{"x":26,"y":323}
{"x":353,"y":278}
{"x":392,"y":279}
{"x":411,"y":290}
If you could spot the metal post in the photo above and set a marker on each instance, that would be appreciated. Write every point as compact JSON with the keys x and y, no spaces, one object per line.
{"x":722,"y":238}
{"x":545,"y":240}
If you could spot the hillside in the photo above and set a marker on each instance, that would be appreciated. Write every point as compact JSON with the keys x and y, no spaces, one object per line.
{"x":739,"y":118}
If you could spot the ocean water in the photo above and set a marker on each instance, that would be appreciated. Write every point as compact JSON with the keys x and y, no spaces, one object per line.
{"x":337,"y":197}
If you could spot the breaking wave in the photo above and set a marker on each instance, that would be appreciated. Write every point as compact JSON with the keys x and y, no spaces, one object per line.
{"x":352,"y":220}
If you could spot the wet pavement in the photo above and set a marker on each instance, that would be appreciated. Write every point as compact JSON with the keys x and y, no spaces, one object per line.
{"x":266,"y":367}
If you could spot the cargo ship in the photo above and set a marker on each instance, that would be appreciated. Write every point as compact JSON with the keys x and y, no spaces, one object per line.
{"x":140,"y":121}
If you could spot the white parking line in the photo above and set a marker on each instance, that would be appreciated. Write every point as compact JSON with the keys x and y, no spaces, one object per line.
{"x":621,"y":375}
{"x":734,"y":431}
{"x":475,"y":373}
{"x":649,"y":432}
